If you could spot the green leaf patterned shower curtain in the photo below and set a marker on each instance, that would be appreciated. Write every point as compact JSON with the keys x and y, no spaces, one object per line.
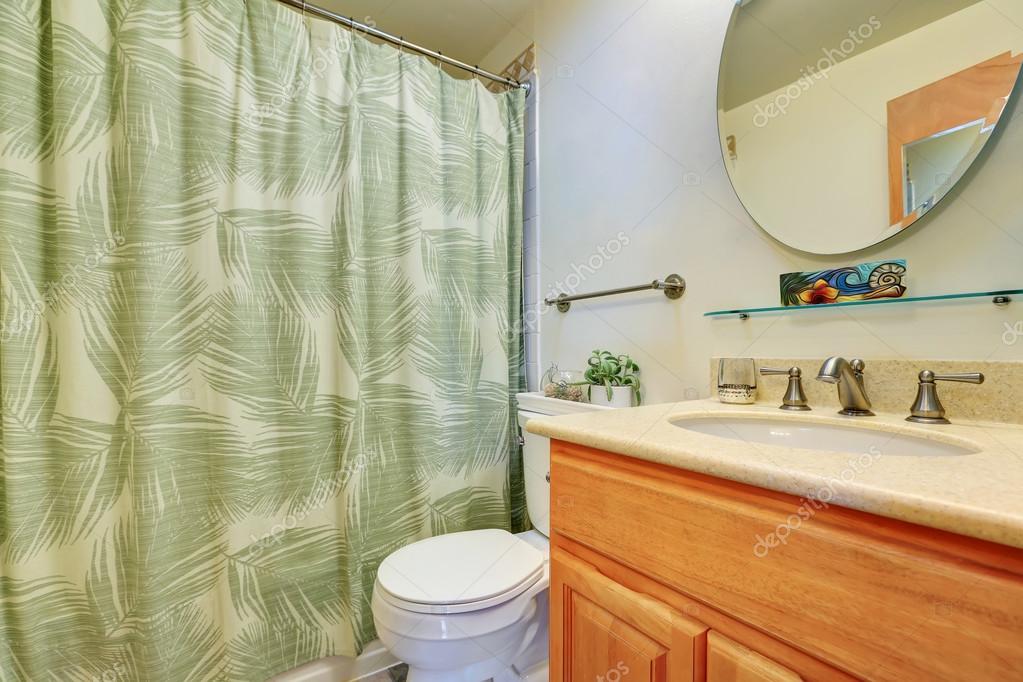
{"x":260,"y":302}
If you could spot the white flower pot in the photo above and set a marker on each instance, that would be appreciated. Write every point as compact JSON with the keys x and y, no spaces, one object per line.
{"x":621,"y":396}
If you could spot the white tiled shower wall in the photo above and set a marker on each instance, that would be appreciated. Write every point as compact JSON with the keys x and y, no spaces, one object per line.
{"x":532,"y":298}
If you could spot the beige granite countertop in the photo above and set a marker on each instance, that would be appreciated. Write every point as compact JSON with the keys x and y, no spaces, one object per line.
{"x":978,"y":495}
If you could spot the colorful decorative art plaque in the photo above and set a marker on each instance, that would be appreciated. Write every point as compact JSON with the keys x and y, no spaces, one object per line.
{"x":856,"y":283}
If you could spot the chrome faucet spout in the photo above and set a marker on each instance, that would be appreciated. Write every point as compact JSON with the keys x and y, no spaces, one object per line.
{"x":848,"y":376}
{"x":831,"y":370}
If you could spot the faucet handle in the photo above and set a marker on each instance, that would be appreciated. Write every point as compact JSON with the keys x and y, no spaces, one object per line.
{"x":858,"y":366}
{"x":927,"y":408}
{"x":774,"y":371}
{"x":795,"y":398}
{"x":965,"y":378}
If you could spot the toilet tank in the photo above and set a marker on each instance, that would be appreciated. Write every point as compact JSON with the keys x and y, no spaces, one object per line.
{"x":536,"y":452}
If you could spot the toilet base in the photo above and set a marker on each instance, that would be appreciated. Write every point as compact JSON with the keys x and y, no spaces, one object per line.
{"x":529,"y":658}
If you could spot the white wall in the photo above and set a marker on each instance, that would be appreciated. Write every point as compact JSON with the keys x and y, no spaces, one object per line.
{"x":629,"y":143}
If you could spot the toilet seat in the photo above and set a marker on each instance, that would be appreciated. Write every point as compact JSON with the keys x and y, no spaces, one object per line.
{"x":459,"y":572}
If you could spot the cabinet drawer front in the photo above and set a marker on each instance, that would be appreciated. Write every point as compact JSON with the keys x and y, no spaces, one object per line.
{"x":861,"y":593}
{"x":604,"y":632}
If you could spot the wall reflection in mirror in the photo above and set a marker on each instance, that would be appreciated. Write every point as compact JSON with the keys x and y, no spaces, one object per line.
{"x":843,"y":123}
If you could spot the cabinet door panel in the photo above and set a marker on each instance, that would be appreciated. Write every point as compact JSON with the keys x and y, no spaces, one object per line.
{"x":728,"y":661}
{"x":606,"y":649}
{"x":602,"y":631}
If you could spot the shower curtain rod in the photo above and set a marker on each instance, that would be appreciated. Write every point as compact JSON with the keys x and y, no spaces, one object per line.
{"x":307,"y":8}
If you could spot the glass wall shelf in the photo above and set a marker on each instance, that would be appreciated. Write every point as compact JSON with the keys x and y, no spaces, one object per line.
{"x":997,"y":297}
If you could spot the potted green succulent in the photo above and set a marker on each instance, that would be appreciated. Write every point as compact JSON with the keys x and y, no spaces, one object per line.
{"x":618,"y":379}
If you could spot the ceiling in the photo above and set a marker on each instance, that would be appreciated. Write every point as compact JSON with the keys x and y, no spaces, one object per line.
{"x":772,"y":41}
{"x":464,"y":29}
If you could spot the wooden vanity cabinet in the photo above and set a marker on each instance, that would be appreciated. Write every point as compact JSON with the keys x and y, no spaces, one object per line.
{"x":659,"y":574}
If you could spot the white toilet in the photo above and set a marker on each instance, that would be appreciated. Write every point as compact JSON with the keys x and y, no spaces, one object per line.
{"x":468,"y":607}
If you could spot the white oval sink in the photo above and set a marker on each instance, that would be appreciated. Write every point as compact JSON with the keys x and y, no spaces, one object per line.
{"x":808,"y":435}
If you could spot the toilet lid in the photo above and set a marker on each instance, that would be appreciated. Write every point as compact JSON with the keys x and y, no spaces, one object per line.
{"x":461,"y":568}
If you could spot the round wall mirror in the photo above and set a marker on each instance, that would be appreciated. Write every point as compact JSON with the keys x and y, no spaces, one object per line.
{"x":844,"y":123}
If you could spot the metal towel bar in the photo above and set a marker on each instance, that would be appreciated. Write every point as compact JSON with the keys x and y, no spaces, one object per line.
{"x":673,"y":287}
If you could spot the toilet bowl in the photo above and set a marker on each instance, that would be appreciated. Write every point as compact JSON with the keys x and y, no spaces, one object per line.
{"x":471,"y":606}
